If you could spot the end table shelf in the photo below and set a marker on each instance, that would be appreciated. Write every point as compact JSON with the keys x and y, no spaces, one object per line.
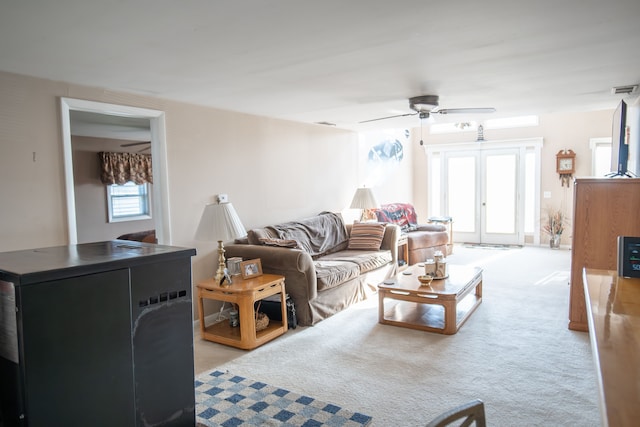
{"x":243,"y":293}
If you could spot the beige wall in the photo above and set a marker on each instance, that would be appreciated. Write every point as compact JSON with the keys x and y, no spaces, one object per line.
{"x":558,"y":131}
{"x":272,"y":170}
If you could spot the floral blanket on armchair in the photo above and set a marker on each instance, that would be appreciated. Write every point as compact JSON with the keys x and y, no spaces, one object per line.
{"x":401,"y":214}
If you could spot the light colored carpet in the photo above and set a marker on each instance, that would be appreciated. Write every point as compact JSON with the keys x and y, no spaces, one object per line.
{"x":515,"y":353}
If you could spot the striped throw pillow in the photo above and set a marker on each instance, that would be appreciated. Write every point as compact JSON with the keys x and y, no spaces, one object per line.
{"x":366,"y":236}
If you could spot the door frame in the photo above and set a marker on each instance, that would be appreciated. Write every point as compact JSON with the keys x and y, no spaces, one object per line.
{"x":524,"y":144}
{"x":160,"y":199}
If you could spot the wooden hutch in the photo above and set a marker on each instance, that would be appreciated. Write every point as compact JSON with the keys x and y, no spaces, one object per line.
{"x":604,"y":208}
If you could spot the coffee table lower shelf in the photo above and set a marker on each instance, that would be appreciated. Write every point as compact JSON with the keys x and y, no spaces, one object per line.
{"x":426,"y":316}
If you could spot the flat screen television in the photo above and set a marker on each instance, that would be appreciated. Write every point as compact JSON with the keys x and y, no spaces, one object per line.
{"x":633,"y":138}
{"x":619,"y":141}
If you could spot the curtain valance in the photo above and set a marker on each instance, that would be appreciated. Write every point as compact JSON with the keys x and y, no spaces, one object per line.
{"x":120,"y":168}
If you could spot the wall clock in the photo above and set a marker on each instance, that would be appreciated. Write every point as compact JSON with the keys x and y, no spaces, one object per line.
{"x":565,"y":165}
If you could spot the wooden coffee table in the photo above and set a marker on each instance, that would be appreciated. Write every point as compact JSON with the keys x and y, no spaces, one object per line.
{"x":443,"y":306}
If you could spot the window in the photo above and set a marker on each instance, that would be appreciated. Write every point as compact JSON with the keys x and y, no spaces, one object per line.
{"x":601,"y":155}
{"x":128,"y":202}
{"x":511,"y":122}
{"x":438,"y":128}
{"x":471,"y":126}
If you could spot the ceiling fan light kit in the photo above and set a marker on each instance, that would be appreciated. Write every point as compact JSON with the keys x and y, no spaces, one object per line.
{"x":424,"y":103}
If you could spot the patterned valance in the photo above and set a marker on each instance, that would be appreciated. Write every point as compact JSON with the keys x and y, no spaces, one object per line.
{"x":120,"y":168}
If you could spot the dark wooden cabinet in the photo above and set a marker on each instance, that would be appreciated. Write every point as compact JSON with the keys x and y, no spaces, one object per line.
{"x":604,"y":209}
{"x":97,"y":334}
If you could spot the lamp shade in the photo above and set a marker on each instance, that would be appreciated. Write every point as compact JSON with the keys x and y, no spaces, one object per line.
{"x":364,"y":199}
{"x":220,"y":221}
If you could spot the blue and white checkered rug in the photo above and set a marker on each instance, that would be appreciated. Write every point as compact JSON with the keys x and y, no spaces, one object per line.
{"x":224,"y":399}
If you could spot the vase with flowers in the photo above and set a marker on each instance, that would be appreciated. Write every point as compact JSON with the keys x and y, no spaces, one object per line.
{"x":554,"y":227}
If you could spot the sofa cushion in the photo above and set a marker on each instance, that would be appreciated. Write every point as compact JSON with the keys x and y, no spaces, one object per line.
{"x":366,"y":261}
{"x":331,"y":273}
{"x":366,"y":236}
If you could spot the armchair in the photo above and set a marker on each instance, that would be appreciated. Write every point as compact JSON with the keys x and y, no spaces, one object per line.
{"x":423,"y":240}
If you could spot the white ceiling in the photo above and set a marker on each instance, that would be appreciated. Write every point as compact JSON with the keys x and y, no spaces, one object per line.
{"x":335,"y":61}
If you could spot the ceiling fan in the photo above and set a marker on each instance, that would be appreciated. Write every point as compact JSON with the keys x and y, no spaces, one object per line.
{"x":133,"y":144}
{"x":425,"y":105}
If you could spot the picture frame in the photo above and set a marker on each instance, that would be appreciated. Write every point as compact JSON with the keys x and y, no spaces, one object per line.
{"x":251,"y":268}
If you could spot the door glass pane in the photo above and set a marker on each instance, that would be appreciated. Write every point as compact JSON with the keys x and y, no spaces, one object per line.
{"x":602,"y":160}
{"x":461,"y":191}
{"x":435,"y":186}
{"x":529,"y":192}
{"x":500,"y":197}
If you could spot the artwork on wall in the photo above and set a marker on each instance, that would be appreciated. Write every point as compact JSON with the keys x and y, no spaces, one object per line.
{"x":388,"y":150}
{"x":382,"y":153}
{"x":385,"y":158}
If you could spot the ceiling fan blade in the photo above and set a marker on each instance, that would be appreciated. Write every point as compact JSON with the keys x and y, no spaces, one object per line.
{"x":465,"y":110}
{"x":133,"y":144}
{"x":389,"y":117}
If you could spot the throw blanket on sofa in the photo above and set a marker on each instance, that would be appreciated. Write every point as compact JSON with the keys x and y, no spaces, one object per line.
{"x":317,"y":235}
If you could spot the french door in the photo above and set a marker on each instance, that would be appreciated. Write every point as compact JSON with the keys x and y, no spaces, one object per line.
{"x":483,"y":195}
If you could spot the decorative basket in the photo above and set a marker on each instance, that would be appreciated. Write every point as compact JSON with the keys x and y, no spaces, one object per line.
{"x":262,"y":320}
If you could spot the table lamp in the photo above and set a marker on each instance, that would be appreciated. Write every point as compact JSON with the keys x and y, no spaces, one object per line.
{"x":365,"y":200}
{"x":220,"y":222}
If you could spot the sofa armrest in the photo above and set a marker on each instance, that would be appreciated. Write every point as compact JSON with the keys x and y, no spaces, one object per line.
{"x":390,"y":240}
{"x":430,"y":227}
{"x":296,"y":265}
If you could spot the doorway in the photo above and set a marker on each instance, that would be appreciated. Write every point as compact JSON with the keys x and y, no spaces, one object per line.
{"x":158,"y":152}
{"x":487,"y":189}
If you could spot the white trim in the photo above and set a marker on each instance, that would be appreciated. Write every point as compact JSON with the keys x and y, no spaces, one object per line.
{"x":596,"y":141}
{"x":72,"y":229}
{"x":160,"y":197}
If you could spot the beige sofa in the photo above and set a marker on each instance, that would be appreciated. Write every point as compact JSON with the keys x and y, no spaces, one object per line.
{"x":324,"y":272}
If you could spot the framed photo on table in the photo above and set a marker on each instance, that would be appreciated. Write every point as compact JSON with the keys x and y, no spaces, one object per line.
{"x":251,"y":268}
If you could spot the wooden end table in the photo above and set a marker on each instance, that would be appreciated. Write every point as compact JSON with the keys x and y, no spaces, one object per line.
{"x":440,"y":307}
{"x":243,"y":293}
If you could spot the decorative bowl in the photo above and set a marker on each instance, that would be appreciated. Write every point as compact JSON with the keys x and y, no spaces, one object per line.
{"x":425,"y":280}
